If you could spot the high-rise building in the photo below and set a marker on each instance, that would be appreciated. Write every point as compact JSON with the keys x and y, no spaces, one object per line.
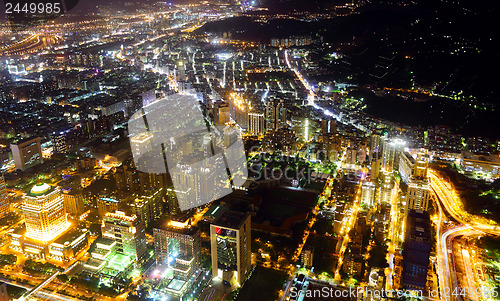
{"x":256,"y":123}
{"x":421,"y":166}
{"x":377,"y":142}
{"x":128,"y":233}
{"x":275,"y":114}
{"x":221,"y":113}
{"x":59,"y":145}
{"x":238,"y":109}
{"x":417,"y":248}
{"x":149,"y":206}
{"x":4,"y":200}
{"x":141,"y":143}
{"x":306,"y":257}
{"x":328,"y":126}
{"x":391,"y":154}
{"x":27,"y":153}
{"x":149,"y":181}
{"x":419,"y":194}
{"x":406,"y":166}
{"x":419,"y":191}
{"x":126,"y":178}
{"x":105,"y":205}
{"x":178,"y":246}
{"x":386,"y":188}
{"x":43,"y":208}
{"x":368,"y":193}
{"x":230,"y":236}
{"x":73,"y":201}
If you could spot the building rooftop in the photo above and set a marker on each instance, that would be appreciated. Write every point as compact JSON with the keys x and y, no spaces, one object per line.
{"x":231,"y":219}
{"x":70,"y":236}
{"x":40,"y":189}
{"x":21,"y":141}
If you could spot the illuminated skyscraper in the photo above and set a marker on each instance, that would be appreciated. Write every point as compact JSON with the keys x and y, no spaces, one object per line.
{"x":59,"y":145}
{"x":43,"y":209}
{"x":421,"y":166}
{"x":149,"y":206}
{"x":368,"y":193}
{"x":230,"y":240}
{"x":4,"y":201}
{"x":73,"y":201}
{"x":275,"y":114}
{"x":256,"y":123}
{"x":27,"y":153}
{"x":419,"y":191}
{"x":419,"y":194}
{"x":142,"y":143}
{"x":127,"y":231}
{"x":178,"y":246}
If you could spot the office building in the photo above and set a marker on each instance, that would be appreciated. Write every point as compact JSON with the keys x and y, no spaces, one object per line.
{"x":416,"y":251}
{"x":391,"y":153}
{"x":406,"y":166}
{"x":73,"y":201}
{"x":221,"y":113}
{"x":256,"y":123}
{"x":419,"y":191}
{"x":419,"y":194}
{"x":181,"y":72}
{"x":306,"y":257}
{"x":43,"y":208}
{"x":68,"y":245}
{"x":178,"y":254}
{"x":128,"y":233}
{"x":368,"y":193}
{"x":59,"y":145}
{"x":126,"y":178}
{"x":386,"y":186}
{"x":105,"y":205}
{"x":141,"y":143}
{"x":149,"y":206}
{"x":328,"y":126}
{"x":238,"y":110}
{"x":230,"y":236}
{"x":275,"y":114}
{"x":26,"y":153}
{"x":148,"y":181}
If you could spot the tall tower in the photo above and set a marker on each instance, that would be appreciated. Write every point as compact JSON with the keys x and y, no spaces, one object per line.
{"x":230,"y":240}
{"x":43,"y":208}
{"x":256,"y":123}
{"x":275,"y":114}
{"x":421,"y":166}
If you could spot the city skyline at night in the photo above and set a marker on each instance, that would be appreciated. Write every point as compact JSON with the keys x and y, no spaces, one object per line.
{"x":271,"y":150}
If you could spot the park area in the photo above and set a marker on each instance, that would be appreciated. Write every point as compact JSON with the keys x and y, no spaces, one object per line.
{"x":263,"y":285}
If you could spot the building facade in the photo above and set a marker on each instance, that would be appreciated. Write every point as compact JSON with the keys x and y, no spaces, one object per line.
{"x":26,"y":153}
{"x":127,"y":231}
{"x":43,"y":208}
{"x":230,"y":236}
